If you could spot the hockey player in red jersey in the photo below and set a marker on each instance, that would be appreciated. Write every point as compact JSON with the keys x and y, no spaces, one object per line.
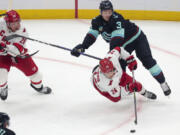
{"x":11,"y":52}
{"x":112,"y":82}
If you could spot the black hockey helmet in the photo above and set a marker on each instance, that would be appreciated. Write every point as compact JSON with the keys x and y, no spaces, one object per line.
{"x":105,"y":5}
{"x":4,"y":119}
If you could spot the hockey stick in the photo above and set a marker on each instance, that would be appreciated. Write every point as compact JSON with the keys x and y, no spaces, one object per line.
{"x":53,"y":45}
{"x":20,"y":56}
{"x":135,"y":108}
{"x":27,"y":56}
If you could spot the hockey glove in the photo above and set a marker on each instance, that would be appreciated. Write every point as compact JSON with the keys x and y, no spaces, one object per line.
{"x":134,"y":87}
{"x":2,"y":46}
{"x":2,"y":50}
{"x":132,"y":63}
{"x":76,"y":51}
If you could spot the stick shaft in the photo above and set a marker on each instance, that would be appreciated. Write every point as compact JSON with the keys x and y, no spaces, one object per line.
{"x":135,"y":107}
{"x":57,"y":46}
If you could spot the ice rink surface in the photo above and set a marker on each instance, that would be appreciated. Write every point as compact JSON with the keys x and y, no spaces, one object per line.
{"x":75,"y":107}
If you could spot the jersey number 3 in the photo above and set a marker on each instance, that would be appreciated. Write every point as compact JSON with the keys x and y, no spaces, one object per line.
{"x":118,"y":25}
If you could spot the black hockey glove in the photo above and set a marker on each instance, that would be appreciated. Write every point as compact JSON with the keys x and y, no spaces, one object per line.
{"x":76,"y":51}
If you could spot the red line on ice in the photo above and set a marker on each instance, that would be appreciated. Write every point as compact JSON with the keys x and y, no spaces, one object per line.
{"x":62,"y":61}
{"x":130,"y":119}
{"x":166,"y":51}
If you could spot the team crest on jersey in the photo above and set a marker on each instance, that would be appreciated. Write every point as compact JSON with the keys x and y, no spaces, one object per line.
{"x":100,"y":28}
{"x":115,"y":16}
{"x":106,"y":36}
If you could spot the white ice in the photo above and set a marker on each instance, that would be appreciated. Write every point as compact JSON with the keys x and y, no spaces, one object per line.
{"x":75,"y":107}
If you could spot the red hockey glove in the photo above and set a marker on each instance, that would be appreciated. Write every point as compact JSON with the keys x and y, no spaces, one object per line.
{"x":132,"y":63}
{"x":2,"y":46}
{"x":135,"y":86}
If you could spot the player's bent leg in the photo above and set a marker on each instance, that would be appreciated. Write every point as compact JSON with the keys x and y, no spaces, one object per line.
{"x":155,"y":70}
{"x":3,"y":83}
{"x":30,"y":69}
{"x":36,"y":83}
{"x":141,"y":90}
{"x":150,"y":64}
{"x":159,"y":76}
{"x":143,"y":52}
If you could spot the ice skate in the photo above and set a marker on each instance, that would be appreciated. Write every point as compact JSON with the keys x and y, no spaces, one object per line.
{"x":44,"y":90}
{"x":166,"y":89}
{"x":149,"y":95}
{"x":4,"y":93}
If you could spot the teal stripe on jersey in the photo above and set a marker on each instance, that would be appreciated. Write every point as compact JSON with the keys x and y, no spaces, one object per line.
{"x":155,"y":70}
{"x":118,"y":33}
{"x":95,"y":33}
{"x":132,"y":39}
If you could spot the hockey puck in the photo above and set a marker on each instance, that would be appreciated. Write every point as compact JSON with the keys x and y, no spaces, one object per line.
{"x":132,"y":130}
